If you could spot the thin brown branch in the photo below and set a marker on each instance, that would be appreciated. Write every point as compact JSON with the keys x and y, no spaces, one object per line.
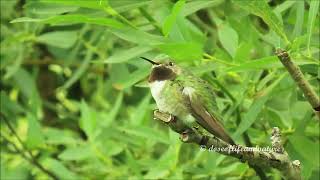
{"x":298,"y":77}
{"x":269,"y":157}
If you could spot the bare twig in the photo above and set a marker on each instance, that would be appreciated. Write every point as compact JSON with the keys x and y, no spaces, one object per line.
{"x":269,"y":157}
{"x":298,"y":77}
{"x":276,"y":140}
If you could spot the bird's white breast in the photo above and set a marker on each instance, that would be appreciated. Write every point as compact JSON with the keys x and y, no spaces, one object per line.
{"x":156,"y":89}
{"x":166,"y":103}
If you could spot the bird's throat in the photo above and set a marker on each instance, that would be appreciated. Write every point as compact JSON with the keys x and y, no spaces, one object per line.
{"x":161,"y":73}
{"x":156,"y":88}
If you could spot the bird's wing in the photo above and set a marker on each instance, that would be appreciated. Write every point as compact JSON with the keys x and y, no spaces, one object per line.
{"x":208,"y":121}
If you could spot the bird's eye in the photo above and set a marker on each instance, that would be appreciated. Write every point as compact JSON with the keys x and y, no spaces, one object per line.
{"x":170,"y":63}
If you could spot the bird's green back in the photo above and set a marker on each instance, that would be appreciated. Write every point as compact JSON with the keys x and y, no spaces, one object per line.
{"x":203,"y":91}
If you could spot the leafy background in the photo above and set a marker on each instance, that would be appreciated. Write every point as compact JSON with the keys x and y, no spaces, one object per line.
{"x":72,"y":84}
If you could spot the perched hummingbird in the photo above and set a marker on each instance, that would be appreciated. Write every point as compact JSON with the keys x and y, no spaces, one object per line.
{"x":180,"y":93}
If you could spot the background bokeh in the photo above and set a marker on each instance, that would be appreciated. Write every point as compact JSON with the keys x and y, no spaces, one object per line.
{"x":73,"y":87}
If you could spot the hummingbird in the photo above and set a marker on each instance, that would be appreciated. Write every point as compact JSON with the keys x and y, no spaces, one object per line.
{"x":177,"y":91}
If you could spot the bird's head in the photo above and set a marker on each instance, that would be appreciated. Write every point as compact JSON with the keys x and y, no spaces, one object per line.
{"x":162,"y":71}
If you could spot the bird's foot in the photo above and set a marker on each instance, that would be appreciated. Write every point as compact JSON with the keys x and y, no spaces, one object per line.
{"x":165,"y":117}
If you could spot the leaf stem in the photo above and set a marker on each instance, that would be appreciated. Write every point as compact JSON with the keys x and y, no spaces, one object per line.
{"x":114,"y":13}
{"x":31,"y":159}
{"x":218,"y":60}
{"x":150,"y":19}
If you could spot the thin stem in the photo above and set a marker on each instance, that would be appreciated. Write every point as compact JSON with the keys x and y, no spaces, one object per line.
{"x":31,"y":159}
{"x":218,"y":60}
{"x":114,"y":13}
{"x":204,"y":26}
{"x":150,"y":19}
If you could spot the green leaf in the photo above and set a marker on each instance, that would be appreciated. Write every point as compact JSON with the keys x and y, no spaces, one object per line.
{"x":243,"y":52}
{"x":61,"y":39}
{"x":94,"y":4}
{"x":250,"y":117}
{"x":306,"y":148}
{"x":16,"y":172}
{"x":308,"y":167}
{"x":11,"y":70}
{"x":25,"y":82}
{"x":111,"y":147}
{"x":185,"y":51}
{"x":133,"y":78}
{"x":274,"y":118}
{"x":147,"y":133}
{"x":114,"y":111}
{"x":157,"y":173}
{"x":284,"y":6}
{"x":58,"y":136}
{"x":299,"y":19}
{"x":76,"y":153}
{"x":8,"y":107}
{"x":185,"y":31}
{"x":88,"y":119}
{"x":299,"y":109}
{"x":194,"y":6}
{"x":132,"y":162}
{"x":126,"y":5}
{"x":140,"y":111}
{"x":27,"y":85}
{"x":72,"y":19}
{"x":45,"y":8}
{"x":126,"y":55}
{"x":166,"y":162}
{"x":262,"y":9}
{"x":298,"y":42}
{"x":138,"y":36}
{"x":314,"y":6}
{"x":228,"y":37}
{"x":171,"y":19}
{"x":79,"y":71}
{"x":59,"y":169}
{"x":35,"y":137}
{"x":119,"y":73}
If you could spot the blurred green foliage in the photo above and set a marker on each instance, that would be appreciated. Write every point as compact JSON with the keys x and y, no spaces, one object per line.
{"x":72,"y":84}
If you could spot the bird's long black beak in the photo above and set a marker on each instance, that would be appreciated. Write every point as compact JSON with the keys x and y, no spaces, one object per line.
{"x":150,"y":61}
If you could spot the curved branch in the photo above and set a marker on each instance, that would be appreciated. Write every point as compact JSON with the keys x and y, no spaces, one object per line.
{"x":298,"y":77}
{"x":274,"y":157}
